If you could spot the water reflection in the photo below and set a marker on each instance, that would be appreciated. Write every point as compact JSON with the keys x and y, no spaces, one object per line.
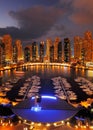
{"x":49,"y":71}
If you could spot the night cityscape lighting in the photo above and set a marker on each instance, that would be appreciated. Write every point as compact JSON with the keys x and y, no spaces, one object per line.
{"x":46,"y":65}
{"x":14,"y":55}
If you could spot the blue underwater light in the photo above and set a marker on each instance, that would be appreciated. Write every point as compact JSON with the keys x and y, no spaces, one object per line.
{"x":36,"y":108}
{"x":48,"y":97}
{"x":38,"y":99}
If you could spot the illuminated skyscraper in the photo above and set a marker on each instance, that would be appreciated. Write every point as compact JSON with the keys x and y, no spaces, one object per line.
{"x":41,"y":51}
{"x":78,"y":42}
{"x":7,"y":40}
{"x":60,"y":52}
{"x":2,"y":53}
{"x":15,"y":53}
{"x":67,"y":50}
{"x":56,"y":42}
{"x":19,"y":49}
{"x":52,"y":53}
{"x":88,"y":46}
{"x":34,"y":51}
{"x":83,"y":48}
{"x":48,"y":44}
{"x":27,"y":54}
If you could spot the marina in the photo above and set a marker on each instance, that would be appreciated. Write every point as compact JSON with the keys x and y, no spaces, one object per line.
{"x":52,"y":80}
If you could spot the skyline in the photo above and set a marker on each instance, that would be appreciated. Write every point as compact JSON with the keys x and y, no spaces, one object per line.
{"x":39,"y":20}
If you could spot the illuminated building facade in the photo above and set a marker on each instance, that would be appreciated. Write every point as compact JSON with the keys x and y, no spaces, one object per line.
{"x":83,"y":48}
{"x":52,"y":53}
{"x":7,"y":40}
{"x":41,"y":51}
{"x":34,"y":51}
{"x":57,"y":40}
{"x":48,"y":44}
{"x":15,"y":54}
{"x":59,"y":52}
{"x":19,"y":48}
{"x":67,"y":50}
{"x":55,"y":51}
{"x":88,"y":46}
{"x":27,"y":54}
{"x":2,"y":53}
{"x":78,"y":48}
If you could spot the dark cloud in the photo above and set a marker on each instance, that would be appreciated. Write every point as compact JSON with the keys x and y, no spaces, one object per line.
{"x":16,"y":33}
{"x":36,"y":21}
{"x":47,"y":19}
{"x":44,"y":2}
{"x":13,"y":31}
{"x":55,"y":31}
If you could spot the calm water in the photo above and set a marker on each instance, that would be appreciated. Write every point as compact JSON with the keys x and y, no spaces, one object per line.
{"x":46,"y":73}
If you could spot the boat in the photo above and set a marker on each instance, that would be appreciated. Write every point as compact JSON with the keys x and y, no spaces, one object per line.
{"x":19,"y":73}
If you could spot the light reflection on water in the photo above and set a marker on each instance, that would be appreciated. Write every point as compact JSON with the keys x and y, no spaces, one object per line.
{"x":49,"y":72}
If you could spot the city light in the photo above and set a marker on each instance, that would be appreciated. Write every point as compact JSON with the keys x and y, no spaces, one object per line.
{"x":36,"y":108}
{"x":47,"y":97}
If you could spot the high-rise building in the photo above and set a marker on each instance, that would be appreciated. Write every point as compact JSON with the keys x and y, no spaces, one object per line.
{"x":15,"y":53}
{"x":67,"y":50}
{"x":52,"y":53}
{"x":56,"y":42}
{"x":78,"y":42}
{"x":48,"y":44}
{"x":20,"y":56}
{"x":27,"y":54}
{"x":2,"y":53}
{"x":41,"y":51}
{"x":7,"y":40}
{"x":88,"y":46}
{"x":60,"y":52}
{"x":34,"y":51}
{"x":83,"y":48}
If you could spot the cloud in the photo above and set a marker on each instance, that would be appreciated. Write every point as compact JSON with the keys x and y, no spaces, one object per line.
{"x":36,"y":21}
{"x":82,"y":12}
{"x":15,"y":32}
{"x":58,"y":30}
{"x":55,"y":31}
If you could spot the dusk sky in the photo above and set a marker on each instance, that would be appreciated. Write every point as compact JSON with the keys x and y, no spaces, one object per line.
{"x":41,"y":19}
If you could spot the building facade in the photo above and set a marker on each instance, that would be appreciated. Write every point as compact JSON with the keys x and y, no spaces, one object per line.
{"x":52,"y":53}
{"x":20,"y":56}
{"x":78,"y":45}
{"x":48,"y":44}
{"x":67,"y":50}
{"x":41,"y":52}
{"x":59,"y":52}
{"x":27,"y":54}
{"x":7,"y":41}
{"x":34,"y":52}
{"x":56,"y":42}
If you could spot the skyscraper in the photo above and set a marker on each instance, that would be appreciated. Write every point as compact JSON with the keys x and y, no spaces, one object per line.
{"x":78,"y":45}
{"x":34,"y":51}
{"x":7,"y":40}
{"x":20,"y":56}
{"x":41,"y":51}
{"x":48,"y":44}
{"x":56,"y":42}
{"x":27,"y":54}
{"x":67,"y":50}
{"x":15,"y":54}
{"x":60,"y":52}
{"x":88,"y":46}
{"x":52,"y":53}
{"x":2,"y":53}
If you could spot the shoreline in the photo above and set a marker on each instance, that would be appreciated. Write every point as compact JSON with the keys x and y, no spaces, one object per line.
{"x":45,"y":64}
